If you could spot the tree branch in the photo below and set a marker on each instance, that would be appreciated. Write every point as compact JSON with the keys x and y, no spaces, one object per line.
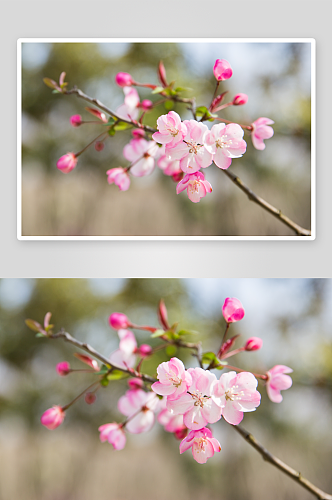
{"x":264,"y":204}
{"x":289,"y":471}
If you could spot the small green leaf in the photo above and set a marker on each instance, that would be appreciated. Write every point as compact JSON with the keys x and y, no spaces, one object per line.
{"x":39,"y":334}
{"x":201,"y":110}
{"x":110,"y":121}
{"x":111,"y":131}
{"x":171,"y":350}
{"x":157,"y":333}
{"x":102,"y":370}
{"x":169,"y":105}
{"x":56,"y":92}
{"x":116,"y":375}
{"x":33,"y":325}
{"x":182,"y":89}
{"x":50,"y":83}
{"x":104,"y":382}
{"x":207,"y":357}
{"x":157,"y":90}
{"x":187,"y":332}
{"x":122,"y":126}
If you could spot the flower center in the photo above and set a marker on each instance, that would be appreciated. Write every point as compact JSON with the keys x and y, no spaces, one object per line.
{"x":172,"y":130}
{"x":234,"y":394}
{"x":223,"y":142}
{"x":201,"y":443}
{"x":199,"y":399}
{"x":193,"y":146}
{"x":194,"y":186}
{"x":176,"y":381}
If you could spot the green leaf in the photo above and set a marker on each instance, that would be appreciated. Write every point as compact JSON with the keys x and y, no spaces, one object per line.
{"x":50,"y":83}
{"x":157,"y":333}
{"x":102,"y":370}
{"x":104,"y":382}
{"x":169,"y":105}
{"x":187,"y":332}
{"x":171,"y":350}
{"x":203,"y":111}
{"x":33,"y":325}
{"x":110,"y":121}
{"x":157,"y":90}
{"x":207,"y":357}
{"x":182,"y":89}
{"x":116,"y":375}
{"x":39,"y":334}
{"x":111,"y":131}
{"x":122,"y":126}
{"x":56,"y":92}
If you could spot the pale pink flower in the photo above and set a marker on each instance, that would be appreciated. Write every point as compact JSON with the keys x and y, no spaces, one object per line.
{"x":225,"y":142}
{"x":261,"y":131}
{"x":53,"y":417}
{"x":63,"y":368}
{"x":119,"y":177}
{"x":222,"y":70}
{"x":75,"y":120}
{"x":202,"y":444}
{"x":139,"y":406}
{"x":191,"y":151}
{"x":232,"y":310}
{"x":125,"y":356}
{"x":119,"y":321}
{"x":253,"y":344}
{"x":173,"y":378}
{"x":240,"y":99}
{"x":235,"y":394}
{"x":129,"y":109}
{"x":141,"y":153}
{"x":196,"y":405}
{"x":114,"y":434}
{"x":168,"y":166}
{"x":67,"y":163}
{"x":196,"y":185}
{"x":124,"y":79}
{"x":170,"y":422}
{"x":170,"y":129}
{"x":277,"y":381}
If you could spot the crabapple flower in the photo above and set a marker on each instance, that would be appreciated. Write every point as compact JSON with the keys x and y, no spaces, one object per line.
{"x":277,"y":381}
{"x":67,"y":163}
{"x":119,"y":321}
{"x":114,"y":434}
{"x":170,"y":129}
{"x":202,"y":444}
{"x":125,"y":356}
{"x":196,"y":185}
{"x":173,"y":378}
{"x":124,"y":79}
{"x":261,"y":131}
{"x":196,"y":405}
{"x":129,"y":109}
{"x":171,"y":423}
{"x":222,"y":70}
{"x":139,"y":406}
{"x":169,"y":167}
{"x":253,"y":344}
{"x":225,"y":142}
{"x":53,"y":417}
{"x":75,"y":120}
{"x":191,"y":151}
{"x":63,"y":368}
{"x":119,"y":177}
{"x":141,"y":153}
{"x":232,"y":310}
{"x":240,"y":99}
{"x":235,"y":394}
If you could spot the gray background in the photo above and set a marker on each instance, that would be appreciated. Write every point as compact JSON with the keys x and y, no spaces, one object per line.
{"x":182,"y":19}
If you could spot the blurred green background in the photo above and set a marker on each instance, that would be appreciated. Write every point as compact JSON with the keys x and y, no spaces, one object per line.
{"x":277,"y":79}
{"x":292,"y":316}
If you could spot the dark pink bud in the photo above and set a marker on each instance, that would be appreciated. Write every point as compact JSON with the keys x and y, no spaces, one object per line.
{"x":97,"y":114}
{"x":138,"y":133}
{"x":63,"y":368}
{"x":90,"y":398}
{"x":146,"y":104}
{"x":145,"y":350}
{"x":232,"y":310}
{"x":99,"y":145}
{"x":87,"y":360}
{"x":222,"y":70}
{"x":218,"y":100}
{"x":240,"y":99}
{"x":162,"y":74}
{"x":253,"y":344}
{"x":75,"y":120}
{"x":53,"y":417}
{"x":124,"y":79}
{"x":135,"y":383}
{"x":178,"y":176}
{"x":67,"y":163}
{"x":119,"y":321}
{"x":162,"y":314}
{"x":181,"y":433}
{"x":227,"y":346}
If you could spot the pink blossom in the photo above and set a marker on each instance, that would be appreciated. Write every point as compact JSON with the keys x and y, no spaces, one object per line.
{"x":253,"y":344}
{"x":129,"y":109}
{"x":135,"y":383}
{"x":119,"y":321}
{"x":146,"y":104}
{"x":235,"y":394}
{"x":232,"y":310}
{"x":240,"y":99}
{"x":138,"y":133}
{"x":141,"y":153}
{"x":196,"y":185}
{"x":170,"y":129}
{"x":191,"y":151}
{"x":76,"y":120}
{"x":202,"y":444}
{"x":169,"y":167}
{"x":119,"y":177}
{"x":144,"y":350}
{"x":261,"y":131}
{"x":277,"y":381}
{"x":225,"y":142}
{"x":171,"y":423}
{"x":114,"y":434}
{"x":139,"y":407}
{"x":222,"y":70}
{"x":63,"y":368}
{"x":173,"y":378}
{"x":67,"y":163}
{"x":196,"y":405}
{"x":125,"y":356}
{"x":53,"y":417}
{"x":124,"y":79}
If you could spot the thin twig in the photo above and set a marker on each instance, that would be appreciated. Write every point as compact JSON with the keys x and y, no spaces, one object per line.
{"x":269,"y":457}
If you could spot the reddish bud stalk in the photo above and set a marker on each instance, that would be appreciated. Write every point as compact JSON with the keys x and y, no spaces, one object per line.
{"x":257,"y":375}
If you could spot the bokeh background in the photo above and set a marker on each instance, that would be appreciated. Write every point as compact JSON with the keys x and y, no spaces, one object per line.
{"x":277,"y":79}
{"x":292,"y":316}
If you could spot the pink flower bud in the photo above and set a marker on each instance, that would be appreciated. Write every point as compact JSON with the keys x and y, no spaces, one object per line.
{"x":181,"y":433}
{"x":146,"y":104}
{"x":144,"y":350}
{"x":253,"y":344}
{"x":162,"y":74}
{"x":162,"y":313}
{"x":138,"y":133}
{"x":63,"y":368}
{"x":135,"y":383}
{"x":90,"y":398}
{"x":222,"y":70}
{"x":87,"y":360}
{"x":75,"y":120}
{"x":178,"y":176}
{"x":232,"y":310}
{"x":53,"y":417}
{"x":99,"y":146}
{"x":119,"y":321}
{"x":67,"y":163}
{"x":240,"y":99}
{"x":124,"y":79}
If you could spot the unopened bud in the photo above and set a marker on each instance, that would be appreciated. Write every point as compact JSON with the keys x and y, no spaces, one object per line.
{"x":99,"y":145}
{"x":63,"y":368}
{"x":162,"y":74}
{"x":232,"y":310}
{"x":53,"y":417}
{"x":67,"y":163}
{"x":144,"y":350}
{"x":124,"y":79}
{"x":240,"y":99}
{"x":119,"y":321}
{"x":253,"y":344}
{"x":162,"y":314}
{"x":90,"y":398}
{"x":146,"y":104}
{"x":75,"y":120}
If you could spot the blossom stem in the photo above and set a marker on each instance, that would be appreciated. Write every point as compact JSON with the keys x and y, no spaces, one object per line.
{"x":232,"y":353}
{"x":248,"y":127}
{"x":79,"y":396}
{"x":286,"y":469}
{"x":90,"y":144}
{"x":223,"y":107}
{"x":257,"y":375}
